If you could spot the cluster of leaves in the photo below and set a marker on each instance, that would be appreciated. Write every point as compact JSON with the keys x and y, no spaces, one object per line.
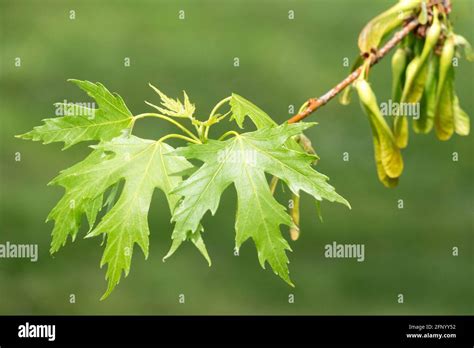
{"x":423,"y":74}
{"x":118,"y":178}
{"x":122,"y":171}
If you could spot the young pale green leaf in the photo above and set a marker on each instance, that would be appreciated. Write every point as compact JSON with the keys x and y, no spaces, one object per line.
{"x":174,"y":107}
{"x":243,"y":162}
{"x":374,"y":32}
{"x":82,"y":123}
{"x":144,"y":165}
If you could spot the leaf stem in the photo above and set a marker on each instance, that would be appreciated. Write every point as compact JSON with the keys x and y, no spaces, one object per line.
{"x":273,"y":184}
{"x":212,"y":121}
{"x":178,"y":136}
{"x":218,"y":105}
{"x":206,"y":132}
{"x":231,"y":132}
{"x":169,"y":119}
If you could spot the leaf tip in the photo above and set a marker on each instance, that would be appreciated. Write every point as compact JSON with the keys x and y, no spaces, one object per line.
{"x":347,"y":204}
{"x":75,"y":81}
{"x":104,"y":296}
{"x":90,"y":234}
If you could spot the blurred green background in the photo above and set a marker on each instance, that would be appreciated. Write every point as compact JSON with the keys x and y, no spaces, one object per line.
{"x":282,"y":62}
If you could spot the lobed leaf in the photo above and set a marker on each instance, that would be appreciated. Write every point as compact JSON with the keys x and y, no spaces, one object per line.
{"x":242,"y":108}
{"x":243,"y":162}
{"x":81,"y":123}
{"x":143,"y":165}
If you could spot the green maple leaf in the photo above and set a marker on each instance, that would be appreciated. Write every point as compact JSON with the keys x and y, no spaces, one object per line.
{"x":143,"y":165}
{"x":243,"y":161}
{"x":81,"y":123}
{"x":80,"y":198}
{"x":242,"y":108}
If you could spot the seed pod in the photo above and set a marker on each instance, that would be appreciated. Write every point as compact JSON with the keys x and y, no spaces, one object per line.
{"x":428,"y":102}
{"x":295,"y":216}
{"x":382,"y":175}
{"x":345,"y":96}
{"x":386,"y":151}
{"x":461,"y":42}
{"x":446,"y":59}
{"x":399,"y":64}
{"x":400,"y":131}
{"x":302,"y":143}
{"x":409,"y":43}
{"x":305,"y":143}
{"x":374,"y":32}
{"x":444,"y":112}
{"x":400,"y":122}
{"x":416,"y":77}
{"x":432,"y":36}
{"x":461,"y":119}
{"x":423,"y":17}
{"x":417,"y":70}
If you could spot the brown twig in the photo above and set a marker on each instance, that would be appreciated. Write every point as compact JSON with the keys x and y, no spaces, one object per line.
{"x":315,"y":103}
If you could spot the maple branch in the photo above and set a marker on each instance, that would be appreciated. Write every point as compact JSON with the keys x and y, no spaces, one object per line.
{"x":314,"y":104}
